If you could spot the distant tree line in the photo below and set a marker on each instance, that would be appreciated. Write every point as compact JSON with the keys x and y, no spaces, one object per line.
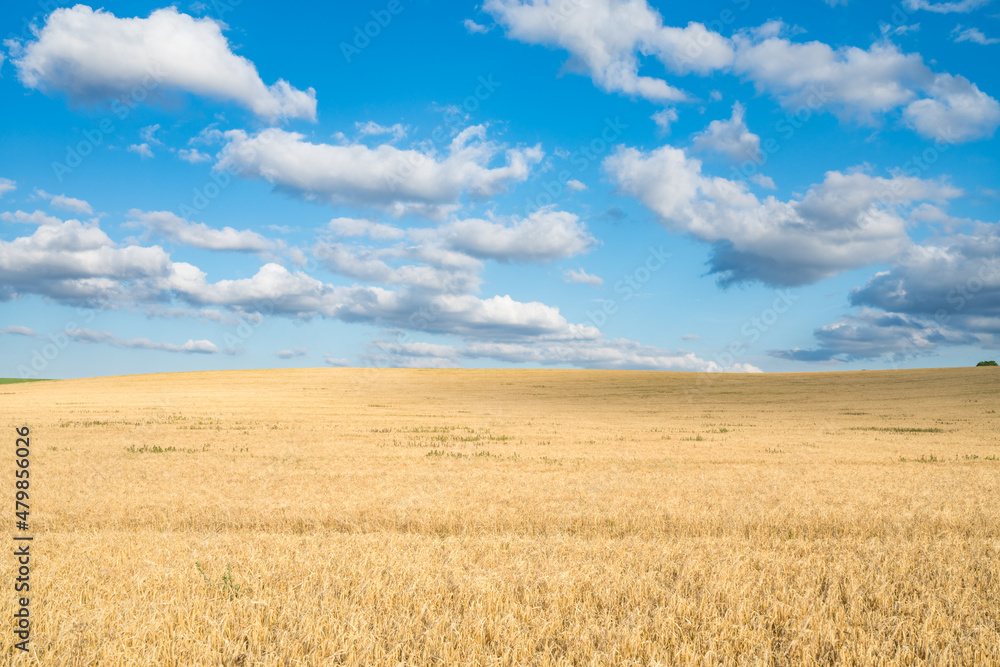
{"x":986,"y":363}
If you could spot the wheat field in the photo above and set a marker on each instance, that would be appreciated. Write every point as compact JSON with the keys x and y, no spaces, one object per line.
{"x":511,"y":517}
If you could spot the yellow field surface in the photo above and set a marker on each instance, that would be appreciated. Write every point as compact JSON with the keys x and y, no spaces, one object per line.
{"x":460,"y":517}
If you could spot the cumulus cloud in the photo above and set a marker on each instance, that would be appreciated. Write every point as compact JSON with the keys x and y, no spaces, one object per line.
{"x":543,"y":236}
{"x":66,"y":203}
{"x":7,"y":185}
{"x":847,"y":221}
{"x":435,"y":270}
{"x":83,"y":335}
{"x":604,"y":37}
{"x":958,"y":111}
{"x":199,"y":235}
{"x":579,"y":276}
{"x":956,"y":279}
{"x":730,"y":137}
{"x":944,"y":292}
{"x":447,"y":259}
{"x":76,"y":263}
{"x":94,"y":55}
{"x":866,"y":84}
{"x":293,"y":353}
{"x":395,"y":180}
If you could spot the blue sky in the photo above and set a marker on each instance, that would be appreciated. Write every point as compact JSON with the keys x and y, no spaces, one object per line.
{"x":740,"y":186}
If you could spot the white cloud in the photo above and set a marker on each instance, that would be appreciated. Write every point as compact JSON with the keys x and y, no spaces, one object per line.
{"x":330,"y":360}
{"x":955,"y":280}
{"x":293,"y":353}
{"x":962,"y":7}
{"x":66,"y":203}
{"x":580,"y":276}
{"x":664,"y":118}
{"x":575,"y":185}
{"x":203,"y":314}
{"x":7,"y":185}
{"x":888,"y":29}
{"x":361,"y":227}
{"x":199,"y":235}
{"x":93,"y":55}
{"x":604,"y":36}
{"x":18,"y":331}
{"x":610,"y":354}
{"x":83,"y":335}
{"x":958,"y":111}
{"x":474,"y":28}
{"x":861,"y":83}
{"x":77,"y":264}
{"x":866,"y":84}
{"x":605,"y":39}
{"x":143,"y":150}
{"x":846,"y":222}
{"x":193,"y":155}
{"x":543,"y":236}
{"x":763,"y":181}
{"x":437,"y":270}
{"x":730,"y":137}
{"x":148,"y":134}
{"x":371,"y":128}
{"x":35,"y":218}
{"x":691,"y":337}
{"x":975,"y":35}
{"x":399,"y":181}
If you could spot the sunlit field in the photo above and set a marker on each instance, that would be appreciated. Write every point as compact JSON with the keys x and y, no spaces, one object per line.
{"x":510,"y":517}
